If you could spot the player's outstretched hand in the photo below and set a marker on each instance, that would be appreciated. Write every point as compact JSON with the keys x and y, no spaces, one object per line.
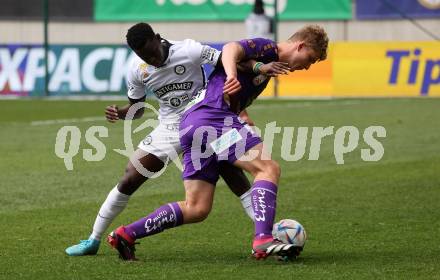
{"x":275,"y":68}
{"x":111,"y":113}
{"x":232,"y":86}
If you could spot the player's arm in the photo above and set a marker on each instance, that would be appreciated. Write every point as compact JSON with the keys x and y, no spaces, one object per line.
{"x":135,"y":93}
{"x":272,"y":69}
{"x":248,"y":52}
{"x":114,"y":113}
{"x":232,"y":54}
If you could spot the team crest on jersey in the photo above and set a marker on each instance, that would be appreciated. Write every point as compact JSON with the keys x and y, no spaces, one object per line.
{"x":179,"y":69}
{"x":175,"y":102}
{"x":147,"y":140}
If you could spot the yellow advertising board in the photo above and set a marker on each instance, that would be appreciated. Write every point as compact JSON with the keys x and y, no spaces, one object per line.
{"x":369,"y":69}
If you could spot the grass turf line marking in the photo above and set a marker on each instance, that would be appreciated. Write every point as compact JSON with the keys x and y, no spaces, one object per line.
{"x":75,"y":120}
{"x":304,"y":104}
{"x":61,"y":121}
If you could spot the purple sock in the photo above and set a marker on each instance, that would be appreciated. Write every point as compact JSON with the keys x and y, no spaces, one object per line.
{"x":164,"y":217}
{"x":264,"y":202}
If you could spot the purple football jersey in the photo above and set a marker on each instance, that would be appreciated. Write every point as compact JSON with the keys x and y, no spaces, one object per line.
{"x":259,"y":49}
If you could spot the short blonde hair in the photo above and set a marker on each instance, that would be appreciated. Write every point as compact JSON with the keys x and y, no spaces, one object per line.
{"x":315,"y":37}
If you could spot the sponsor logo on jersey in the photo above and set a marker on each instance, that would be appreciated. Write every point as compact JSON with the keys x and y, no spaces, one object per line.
{"x":208,"y":53}
{"x":172,"y":87}
{"x":143,"y":66}
{"x":145,"y":70}
{"x":179,"y":69}
{"x":226,"y":141}
{"x":178,"y":100}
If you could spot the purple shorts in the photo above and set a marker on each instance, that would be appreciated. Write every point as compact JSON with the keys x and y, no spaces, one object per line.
{"x":209,"y":135}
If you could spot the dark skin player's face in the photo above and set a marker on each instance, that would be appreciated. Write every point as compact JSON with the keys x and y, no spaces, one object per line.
{"x":152,"y":52}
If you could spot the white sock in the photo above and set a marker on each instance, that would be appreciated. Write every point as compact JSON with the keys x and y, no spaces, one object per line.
{"x":246,"y":202}
{"x":110,"y":209}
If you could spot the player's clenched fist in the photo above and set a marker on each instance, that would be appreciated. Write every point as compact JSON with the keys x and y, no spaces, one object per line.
{"x":111,"y":113}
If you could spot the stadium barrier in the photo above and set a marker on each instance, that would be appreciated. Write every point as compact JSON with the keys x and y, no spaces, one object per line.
{"x":364,"y":69}
{"x":369,"y":69}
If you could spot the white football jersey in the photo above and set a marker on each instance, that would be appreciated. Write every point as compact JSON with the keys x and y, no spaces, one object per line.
{"x":174,"y":83}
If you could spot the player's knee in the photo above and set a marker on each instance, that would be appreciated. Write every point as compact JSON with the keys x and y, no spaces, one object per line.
{"x":199,"y":212}
{"x":131,"y":181}
{"x":125,"y":186}
{"x":272,"y":169}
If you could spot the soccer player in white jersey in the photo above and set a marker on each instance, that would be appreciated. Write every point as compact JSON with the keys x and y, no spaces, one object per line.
{"x":173,"y":72}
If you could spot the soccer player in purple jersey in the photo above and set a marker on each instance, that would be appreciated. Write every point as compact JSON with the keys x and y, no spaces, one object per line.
{"x":171,"y":71}
{"x":211,"y":133}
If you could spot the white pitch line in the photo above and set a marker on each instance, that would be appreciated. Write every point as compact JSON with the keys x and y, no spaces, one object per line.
{"x":257,"y":107}
{"x":61,"y":121}
{"x":75,"y":120}
{"x":303,"y":104}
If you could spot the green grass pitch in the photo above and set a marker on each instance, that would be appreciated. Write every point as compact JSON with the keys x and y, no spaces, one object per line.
{"x":365,"y":220}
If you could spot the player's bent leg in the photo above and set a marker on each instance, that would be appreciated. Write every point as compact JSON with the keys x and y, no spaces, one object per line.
{"x":234,"y":178}
{"x":116,"y":202}
{"x":133,"y":177}
{"x":261,"y":168}
{"x":118,"y":198}
{"x":196,"y":207}
{"x":124,"y":237}
{"x":266,"y":173}
{"x":264,"y":193}
{"x":198,"y":202}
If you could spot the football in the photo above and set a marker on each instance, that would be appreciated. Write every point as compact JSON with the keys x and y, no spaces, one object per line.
{"x":290,"y":231}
